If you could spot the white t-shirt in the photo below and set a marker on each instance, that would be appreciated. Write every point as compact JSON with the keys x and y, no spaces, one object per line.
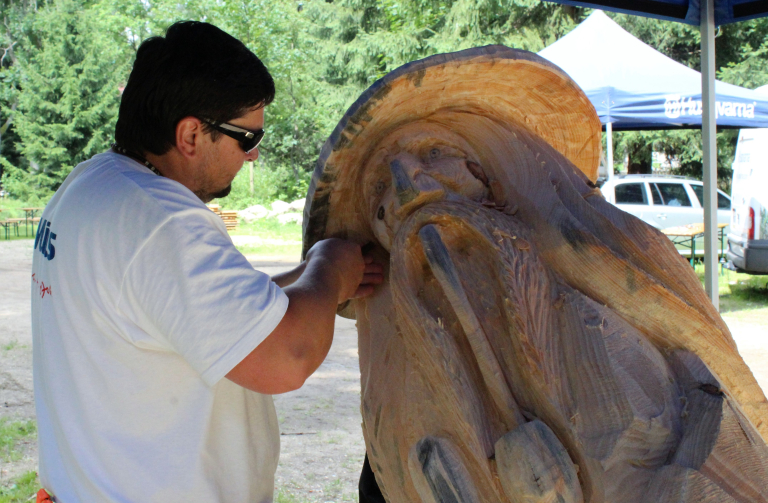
{"x":140,"y":306}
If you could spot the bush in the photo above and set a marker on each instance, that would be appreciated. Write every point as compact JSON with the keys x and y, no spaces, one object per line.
{"x":269,"y":184}
{"x":23,"y":186}
{"x":12,"y":207}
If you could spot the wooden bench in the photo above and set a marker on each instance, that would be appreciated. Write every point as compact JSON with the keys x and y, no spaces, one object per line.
{"x":229,"y":216}
{"x":230,"y":219}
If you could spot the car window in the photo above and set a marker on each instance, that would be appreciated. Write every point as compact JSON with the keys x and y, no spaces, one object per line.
{"x":673,"y":194}
{"x":723,"y":203}
{"x":656,"y":194}
{"x":631,"y":193}
{"x":699,"y":191}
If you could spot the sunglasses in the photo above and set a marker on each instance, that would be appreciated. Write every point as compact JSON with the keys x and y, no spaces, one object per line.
{"x":248,"y":139}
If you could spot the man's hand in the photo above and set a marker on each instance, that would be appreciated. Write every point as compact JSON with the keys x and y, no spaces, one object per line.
{"x":335,"y":271}
{"x":358,"y":273}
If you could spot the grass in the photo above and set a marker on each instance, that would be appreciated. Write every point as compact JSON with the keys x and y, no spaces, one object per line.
{"x":12,"y":435}
{"x":333,"y":489}
{"x":742,"y":296}
{"x":352,"y":463}
{"x":266,"y":229}
{"x":13,"y":237}
{"x":11,"y":345}
{"x":21,"y":489}
{"x":282,"y":496}
{"x":272,"y":250}
{"x":271,"y":229}
{"x":24,"y":233}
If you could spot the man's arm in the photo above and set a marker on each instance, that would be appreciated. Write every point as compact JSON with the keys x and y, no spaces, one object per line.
{"x":288,"y":278}
{"x":335,"y":270}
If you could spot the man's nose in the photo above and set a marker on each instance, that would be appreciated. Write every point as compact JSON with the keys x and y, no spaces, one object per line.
{"x":252,"y":155}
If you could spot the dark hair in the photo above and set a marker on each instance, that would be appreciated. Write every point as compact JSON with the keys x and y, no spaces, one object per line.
{"x":195,"y":70}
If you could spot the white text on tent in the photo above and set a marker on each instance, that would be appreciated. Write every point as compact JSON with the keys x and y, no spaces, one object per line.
{"x":678,"y":106}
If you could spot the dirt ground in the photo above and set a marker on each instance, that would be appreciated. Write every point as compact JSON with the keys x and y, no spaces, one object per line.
{"x":322,"y":447}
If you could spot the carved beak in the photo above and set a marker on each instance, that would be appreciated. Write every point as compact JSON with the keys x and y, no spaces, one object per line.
{"x":404,"y":186}
{"x":413,"y":187}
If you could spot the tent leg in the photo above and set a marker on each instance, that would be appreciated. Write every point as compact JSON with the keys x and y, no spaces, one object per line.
{"x":609,"y":141}
{"x":709,"y":138}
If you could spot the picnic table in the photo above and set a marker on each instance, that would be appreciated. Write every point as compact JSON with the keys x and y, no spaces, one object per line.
{"x":686,"y":235}
{"x":8,"y":224}
{"x":11,"y":225}
{"x":30,"y":218}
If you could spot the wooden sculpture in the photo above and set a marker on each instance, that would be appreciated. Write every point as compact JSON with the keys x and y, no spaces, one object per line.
{"x":532,"y":343}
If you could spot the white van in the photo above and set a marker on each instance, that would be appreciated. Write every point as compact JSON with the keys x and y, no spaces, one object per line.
{"x":748,"y":236}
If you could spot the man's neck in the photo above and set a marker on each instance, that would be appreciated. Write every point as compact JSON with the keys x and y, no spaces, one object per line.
{"x":172,"y":165}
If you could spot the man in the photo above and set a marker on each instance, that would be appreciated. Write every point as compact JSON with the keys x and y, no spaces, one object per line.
{"x":156,"y":344}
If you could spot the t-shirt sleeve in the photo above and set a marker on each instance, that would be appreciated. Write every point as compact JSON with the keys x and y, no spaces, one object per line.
{"x":191,"y":290}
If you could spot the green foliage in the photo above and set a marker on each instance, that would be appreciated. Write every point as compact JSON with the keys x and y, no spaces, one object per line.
{"x":679,"y":41}
{"x":365,"y":39}
{"x":16,"y":18}
{"x":681,"y":145}
{"x":23,"y":184}
{"x":269,"y":184}
{"x":58,"y":96}
{"x":747,"y":51}
{"x":9,"y":80}
{"x":20,"y":490}
{"x":69,"y":92}
{"x":12,"y":206}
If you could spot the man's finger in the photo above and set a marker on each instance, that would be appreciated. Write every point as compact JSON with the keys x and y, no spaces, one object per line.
{"x":372,"y":279}
{"x":363,"y":291}
{"x":374,"y":267}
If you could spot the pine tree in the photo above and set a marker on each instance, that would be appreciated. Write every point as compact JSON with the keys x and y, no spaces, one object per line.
{"x":70,"y":93}
{"x":15,"y":16}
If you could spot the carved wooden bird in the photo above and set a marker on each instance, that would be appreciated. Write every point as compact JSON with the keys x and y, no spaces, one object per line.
{"x":532,"y":342}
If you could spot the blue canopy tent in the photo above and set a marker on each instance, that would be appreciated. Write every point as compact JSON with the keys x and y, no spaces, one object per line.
{"x":707,"y":14}
{"x":682,"y":11}
{"x":633,"y":86}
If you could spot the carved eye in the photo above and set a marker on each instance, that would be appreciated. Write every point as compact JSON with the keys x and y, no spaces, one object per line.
{"x":434,"y":153}
{"x":380,"y":187}
{"x":380,"y":214}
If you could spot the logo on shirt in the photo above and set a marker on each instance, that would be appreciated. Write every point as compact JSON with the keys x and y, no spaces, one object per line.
{"x":41,"y":286}
{"x":44,"y":239}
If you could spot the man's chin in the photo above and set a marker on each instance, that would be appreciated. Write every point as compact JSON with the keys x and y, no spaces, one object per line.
{"x":223,"y":193}
{"x":207,"y":198}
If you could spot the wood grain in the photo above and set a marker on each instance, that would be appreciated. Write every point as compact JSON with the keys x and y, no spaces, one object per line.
{"x":531,"y":342}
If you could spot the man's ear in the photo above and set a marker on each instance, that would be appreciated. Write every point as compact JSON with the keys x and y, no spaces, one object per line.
{"x":189,"y":132}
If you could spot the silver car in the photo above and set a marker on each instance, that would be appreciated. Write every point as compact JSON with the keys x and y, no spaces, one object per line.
{"x":664,"y":201}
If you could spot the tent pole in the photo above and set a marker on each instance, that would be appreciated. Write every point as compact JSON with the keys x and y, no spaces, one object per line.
{"x":709,"y":138}
{"x":609,"y":141}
